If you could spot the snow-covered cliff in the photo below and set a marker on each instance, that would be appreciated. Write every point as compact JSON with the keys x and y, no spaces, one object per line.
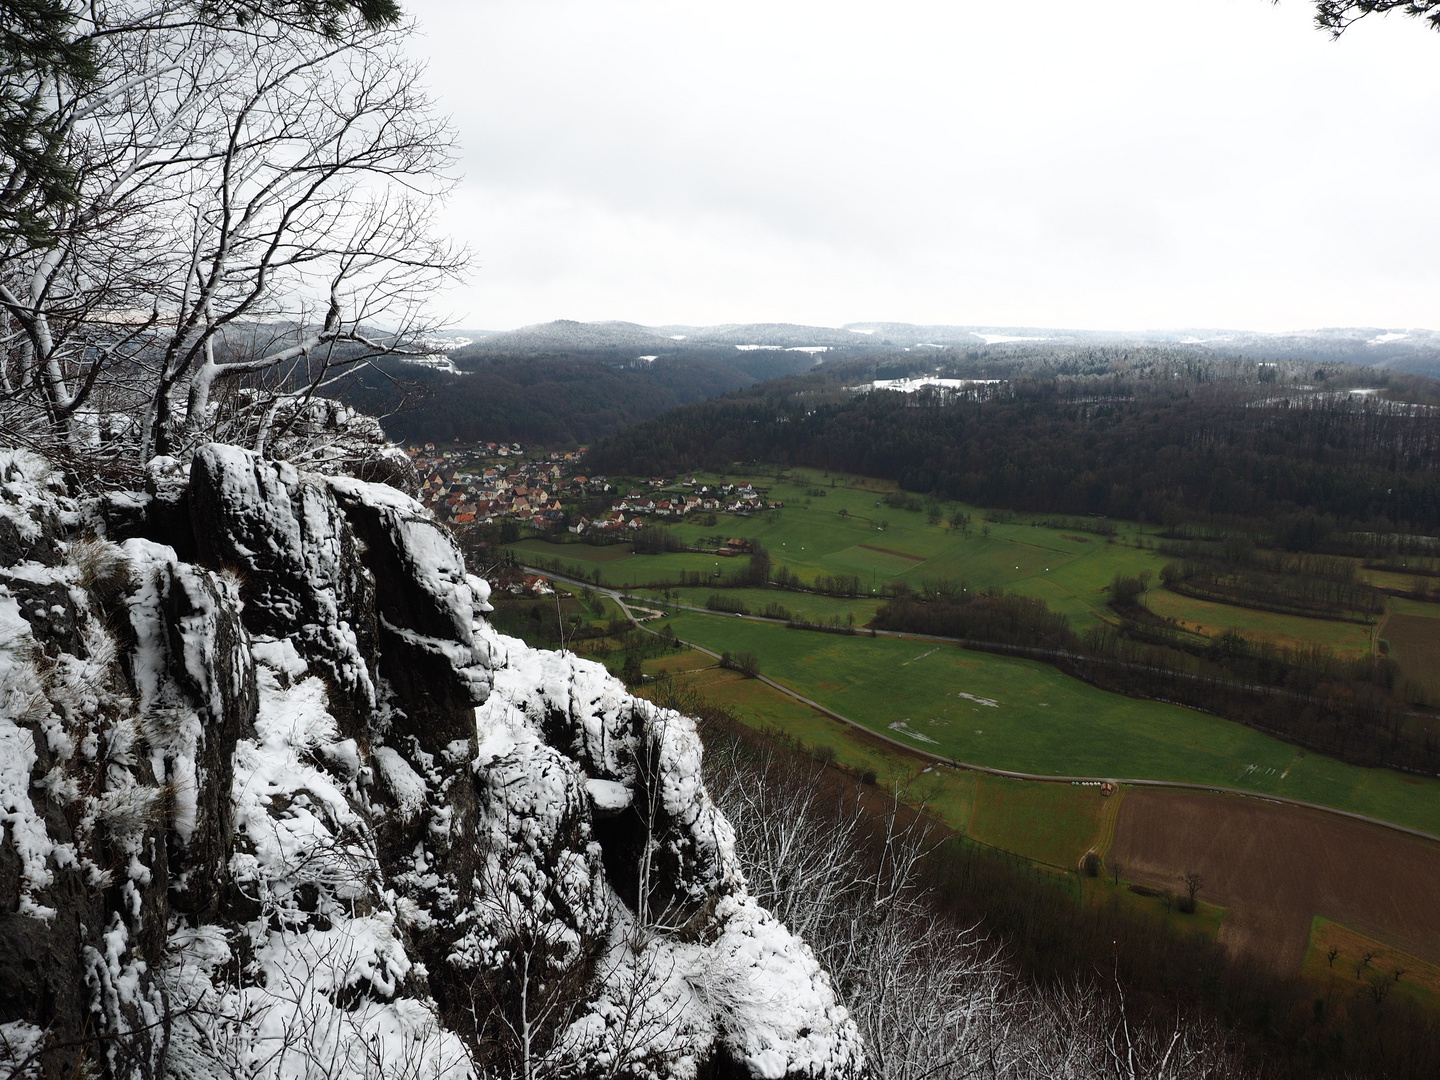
{"x":278,"y":802}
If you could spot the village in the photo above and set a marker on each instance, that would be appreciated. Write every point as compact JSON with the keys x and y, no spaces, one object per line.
{"x":489,"y":483}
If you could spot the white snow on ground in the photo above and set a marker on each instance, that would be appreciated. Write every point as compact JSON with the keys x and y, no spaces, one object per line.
{"x":752,"y":348}
{"x":20,"y":696}
{"x":1001,"y":339}
{"x":18,"y":1040}
{"x":1385,"y":339}
{"x":608,"y":796}
{"x":756,"y":987}
{"x":323,"y":993}
{"x":910,"y":386}
{"x":903,"y":727}
{"x":26,"y":491}
{"x":747,"y":979}
{"x":991,"y":702}
{"x":404,"y":783}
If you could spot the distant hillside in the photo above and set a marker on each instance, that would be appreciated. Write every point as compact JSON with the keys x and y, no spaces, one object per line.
{"x":1138,"y":432}
{"x":558,"y":397}
{"x":1400,"y":349}
{"x":1412,"y":350}
{"x":568,"y":382}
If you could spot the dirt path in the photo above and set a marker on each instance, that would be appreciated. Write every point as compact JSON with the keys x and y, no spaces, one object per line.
{"x":1276,"y":866}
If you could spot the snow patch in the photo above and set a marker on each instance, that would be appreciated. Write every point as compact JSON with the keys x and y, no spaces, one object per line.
{"x":903,"y":727}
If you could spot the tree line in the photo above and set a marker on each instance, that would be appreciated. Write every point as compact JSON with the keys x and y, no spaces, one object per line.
{"x":1141,"y":449}
{"x":551,"y":398}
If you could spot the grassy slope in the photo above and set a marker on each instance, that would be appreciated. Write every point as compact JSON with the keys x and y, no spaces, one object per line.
{"x":1350,"y":976}
{"x":1067,"y":568}
{"x":1053,"y":825}
{"x":1047,"y":722}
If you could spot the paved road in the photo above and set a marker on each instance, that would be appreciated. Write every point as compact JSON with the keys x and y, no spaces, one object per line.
{"x":939,"y":759}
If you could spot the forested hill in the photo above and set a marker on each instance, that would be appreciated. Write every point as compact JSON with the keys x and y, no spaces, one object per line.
{"x":1140,"y":434}
{"x":555,"y":397}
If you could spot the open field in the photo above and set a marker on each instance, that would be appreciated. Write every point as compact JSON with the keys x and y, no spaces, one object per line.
{"x":1054,"y":824}
{"x":1207,"y":918}
{"x":1401,"y":582}
{"x":839,"y":533}
{"x":1025,"y":716}
{"x":1275,"y":867}
{"x":1404,"y":606}
{"x":805,"y":606}
{"x":1068,"y":567}
{"x":1414,"y":642}
{"x":1360,"y":963}
{"x":1050,"y":823}
{"x":1209,"y":618}
{"x":767,"y":710}
{"x":1270,"y":869}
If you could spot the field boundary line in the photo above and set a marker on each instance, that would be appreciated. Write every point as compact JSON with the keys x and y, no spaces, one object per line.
{"x":954,"y":763}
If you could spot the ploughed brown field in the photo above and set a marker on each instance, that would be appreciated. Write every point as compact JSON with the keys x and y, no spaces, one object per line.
{"x":1415,"y":644}
{"x":1275,"y":867}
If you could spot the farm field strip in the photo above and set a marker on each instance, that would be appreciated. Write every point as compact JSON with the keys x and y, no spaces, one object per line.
{"x":1076,"y":732}
{"x":1057,"y":564}
{"x":1277,"y":866}
{"x":1414,"y":642}
{"x":1151,"y":835}
{"x":1359,"y":961}
{"x":1039,"y":722}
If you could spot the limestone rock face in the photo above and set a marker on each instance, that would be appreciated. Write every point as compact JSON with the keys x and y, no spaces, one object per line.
{"x":279,"y":800}
{"x":283,"y":534}
{"x":195,"y":678}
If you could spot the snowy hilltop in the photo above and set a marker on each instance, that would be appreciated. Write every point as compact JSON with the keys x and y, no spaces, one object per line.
{"x":279,"y":802}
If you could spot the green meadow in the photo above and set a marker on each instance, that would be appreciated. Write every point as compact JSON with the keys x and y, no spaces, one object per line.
{"x":1068,"y":567}
{"x":1209,"y":618}
{"x":1025,"y":716}
{"x":1053,"y":824}
{"x":806,"y":607}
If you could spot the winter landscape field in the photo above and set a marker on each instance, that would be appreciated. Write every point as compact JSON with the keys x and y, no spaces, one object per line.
{"x":635,"y":541}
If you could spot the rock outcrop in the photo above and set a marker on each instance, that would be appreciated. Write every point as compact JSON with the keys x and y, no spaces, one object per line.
{"x":277,"y":799}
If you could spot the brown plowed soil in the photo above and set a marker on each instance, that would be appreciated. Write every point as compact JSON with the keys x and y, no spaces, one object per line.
{"x":1415,"y":645}
{"x":891,"y":551}
{"x":1275,"y":867}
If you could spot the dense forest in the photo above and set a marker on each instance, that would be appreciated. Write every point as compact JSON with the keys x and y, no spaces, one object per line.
{"x":1144,"y":435}
{"x":557,"y":398}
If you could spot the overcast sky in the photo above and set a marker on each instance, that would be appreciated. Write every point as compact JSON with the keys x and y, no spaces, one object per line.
{"x":1120,"y":164}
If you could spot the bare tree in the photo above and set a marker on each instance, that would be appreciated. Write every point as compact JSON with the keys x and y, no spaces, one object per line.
{"x":253,"y":200}
{"x":1194,"y":882}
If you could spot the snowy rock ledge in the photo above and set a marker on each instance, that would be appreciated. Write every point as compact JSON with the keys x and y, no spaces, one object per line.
{"x":277,"y":800}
